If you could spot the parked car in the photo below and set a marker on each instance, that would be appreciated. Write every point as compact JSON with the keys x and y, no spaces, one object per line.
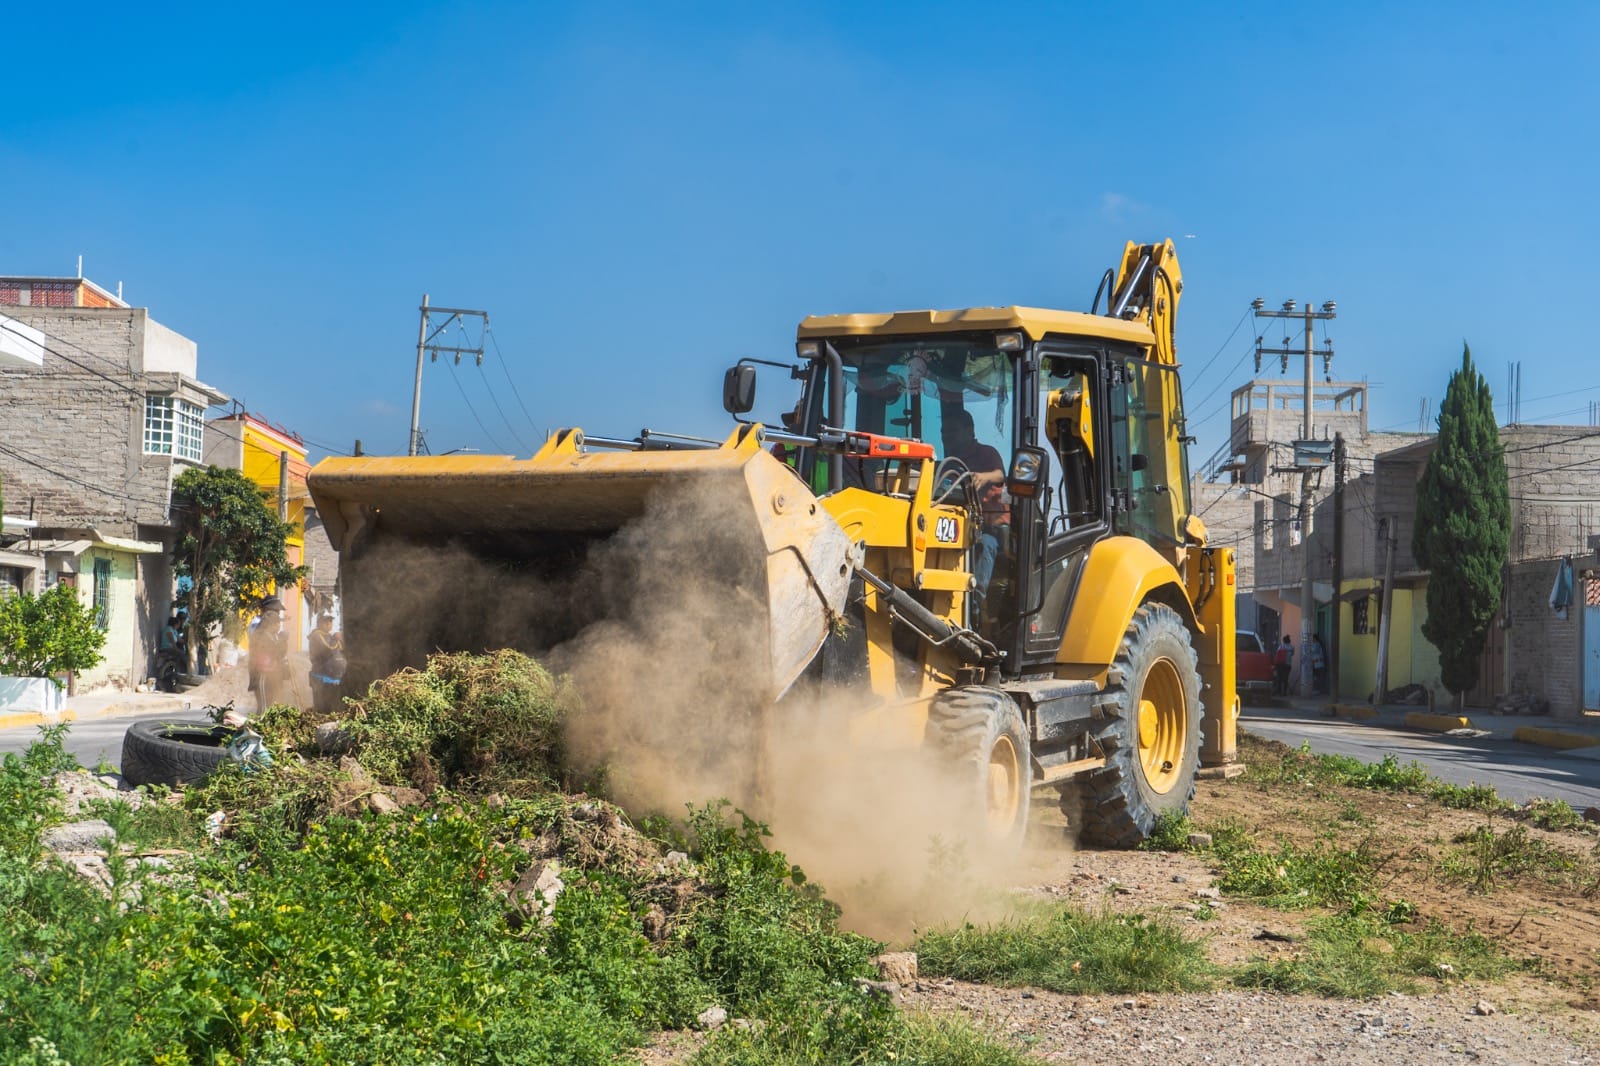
{"x":1253,"y":669}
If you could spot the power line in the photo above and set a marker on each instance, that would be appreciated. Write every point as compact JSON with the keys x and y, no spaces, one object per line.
{"x":507,"y":371}
{"x":35,"y":461}
{"x":1195,"y":379}
{"x":474,"y":411}
{"x":495,"y":400}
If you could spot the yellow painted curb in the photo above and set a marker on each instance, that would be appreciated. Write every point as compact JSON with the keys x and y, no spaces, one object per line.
{"x":23,"y":719}
{"x":1553,"y":738}
{"x":1441,"y":723}
{"x":1354,"y":711}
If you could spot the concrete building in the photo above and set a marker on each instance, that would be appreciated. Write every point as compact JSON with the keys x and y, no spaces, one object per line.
{"x":1533,"y":653}
{"x":90,"y":442}
{"x":275,"y":459}
{"x":1248,"y":494}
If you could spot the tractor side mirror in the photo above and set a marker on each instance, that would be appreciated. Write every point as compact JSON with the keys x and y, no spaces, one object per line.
{"x":1027,"y":472}
{"x":739,"y":389}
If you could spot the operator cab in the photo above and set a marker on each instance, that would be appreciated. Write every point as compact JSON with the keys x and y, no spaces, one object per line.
{"x":1073,"y":400}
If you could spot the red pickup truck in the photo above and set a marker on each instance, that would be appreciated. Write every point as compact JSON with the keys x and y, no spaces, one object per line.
{"x":1253,"y":669}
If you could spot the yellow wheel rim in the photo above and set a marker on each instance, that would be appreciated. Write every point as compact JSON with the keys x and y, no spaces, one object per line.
{"x":1163,"y":726}
{"x":1005,"y":777}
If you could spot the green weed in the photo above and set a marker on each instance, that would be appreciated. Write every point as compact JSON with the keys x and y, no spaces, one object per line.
{"x":1292,"y":877}
{"x":1171,"y":833}
{"x":1552,"y":814}
{"x":1366,"y":955}
{"x":1468,"y":797}
{"x":911,"y":1040}
{"x":1070,"y":950}
{"x":153,"y":824}
{"x":1483,"y":858}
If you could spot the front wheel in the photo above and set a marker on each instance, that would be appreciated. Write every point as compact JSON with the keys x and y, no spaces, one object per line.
{"x":1151,"y":736}
{"x":980,"y":735}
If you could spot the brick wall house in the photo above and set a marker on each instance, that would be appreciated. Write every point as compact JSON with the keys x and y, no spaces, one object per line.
{"x":90,"y":443}
{"x":1554,"y":481}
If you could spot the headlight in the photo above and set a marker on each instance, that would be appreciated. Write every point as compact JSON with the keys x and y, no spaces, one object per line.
{"x":807,"y":349}
{"x":1008,"y":342}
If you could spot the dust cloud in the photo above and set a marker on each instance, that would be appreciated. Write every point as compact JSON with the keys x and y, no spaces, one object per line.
{"x":663,"y":629}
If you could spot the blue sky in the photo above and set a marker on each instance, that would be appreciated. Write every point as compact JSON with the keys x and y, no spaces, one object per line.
{"x":640,"y":194}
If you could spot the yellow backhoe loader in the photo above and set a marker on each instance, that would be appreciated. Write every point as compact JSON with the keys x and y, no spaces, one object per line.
{"x":974,"y":528}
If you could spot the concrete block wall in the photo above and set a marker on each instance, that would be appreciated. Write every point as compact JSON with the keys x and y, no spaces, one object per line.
{"x":1543,"y":652}
{"x":72,"y":433}
{"x":1554,"y":474}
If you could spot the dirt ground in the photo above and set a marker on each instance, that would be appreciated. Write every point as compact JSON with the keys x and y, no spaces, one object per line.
{"x":1549,"y":1014}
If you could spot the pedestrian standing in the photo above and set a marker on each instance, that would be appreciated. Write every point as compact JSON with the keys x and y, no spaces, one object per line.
{"x":269,"y":656}
{"x":1319,"y":664}
{"x":327,"y":665}
{"x":1282,"y":661}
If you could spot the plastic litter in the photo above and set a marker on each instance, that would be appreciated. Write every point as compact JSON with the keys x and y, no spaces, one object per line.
{"x":249,"y":750}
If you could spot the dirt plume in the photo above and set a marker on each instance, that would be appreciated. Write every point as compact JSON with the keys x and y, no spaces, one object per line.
{"x":663,"y":629}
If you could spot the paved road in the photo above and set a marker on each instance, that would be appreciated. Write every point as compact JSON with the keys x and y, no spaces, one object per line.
{"x":92,"y":739}
{"x":1518,"y":772}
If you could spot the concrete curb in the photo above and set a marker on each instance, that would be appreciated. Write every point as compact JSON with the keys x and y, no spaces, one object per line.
{"x":1356,"y":712}
{"x":24,"y":719}
{"x":1438,"y":723}
{"x":1553,"y":738}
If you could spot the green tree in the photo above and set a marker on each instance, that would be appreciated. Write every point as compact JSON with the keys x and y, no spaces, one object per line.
{"x":41,"y":636}
{"x":231,"y":545}
{"x":1463,"y":526}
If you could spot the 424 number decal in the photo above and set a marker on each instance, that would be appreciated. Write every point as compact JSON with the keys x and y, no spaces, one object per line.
{"x":946,"y":530}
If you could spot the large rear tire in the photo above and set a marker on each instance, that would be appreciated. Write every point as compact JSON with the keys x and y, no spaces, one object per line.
{"x":981,"y":738}
{"x":1151,"y":735}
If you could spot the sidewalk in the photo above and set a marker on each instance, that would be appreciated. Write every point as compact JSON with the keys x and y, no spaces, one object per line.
{"x":101,"y":705}
{"x":1579,"y":737}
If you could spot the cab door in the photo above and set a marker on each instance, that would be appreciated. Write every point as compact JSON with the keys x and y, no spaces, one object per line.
{"x":1069,"y":394}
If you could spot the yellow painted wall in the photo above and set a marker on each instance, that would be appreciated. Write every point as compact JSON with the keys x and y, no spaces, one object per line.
{"x":260,"y":463}
{"x":123,"y":623}
{"x":1358,"y":652}
{"x":1412,"y":660}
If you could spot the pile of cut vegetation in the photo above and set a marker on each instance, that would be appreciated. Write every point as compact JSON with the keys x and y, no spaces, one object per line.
{"x":481,"y":914}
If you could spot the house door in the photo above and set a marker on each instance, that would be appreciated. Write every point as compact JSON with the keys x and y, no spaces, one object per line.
{"x":1491,"y":665}
{"x":1591,"y":640}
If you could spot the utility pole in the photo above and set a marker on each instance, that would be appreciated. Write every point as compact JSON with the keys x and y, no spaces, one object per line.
{"x":1308,"y":459}
{"x":416,"y":390}
{"x":425,"y":345}
{"x":1386,"y":606}
{"x":1337,"y":622}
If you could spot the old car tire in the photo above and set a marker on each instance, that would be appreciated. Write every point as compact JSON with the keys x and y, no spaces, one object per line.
{"x":980,"y":736}
{"x":1151,"y":733}
{"x":173,"y":753}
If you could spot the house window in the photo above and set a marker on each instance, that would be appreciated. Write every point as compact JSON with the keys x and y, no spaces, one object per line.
{"x":173,"y":427}
{"x":102,"y":593}
{"x":1360,"y":616}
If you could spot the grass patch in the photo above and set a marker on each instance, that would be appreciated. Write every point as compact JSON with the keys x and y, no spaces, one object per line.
{"x":914,"y":1040}
{"x":1070,"y":950}
{"x":1291,"y":877}
{"x":1359,"y":956}
{"x":153,"y":824}
{"x":1272,"y":763}
{"x":1483,"y":858}
{"x":1171,"y":833}
{"x":1553,"y":815}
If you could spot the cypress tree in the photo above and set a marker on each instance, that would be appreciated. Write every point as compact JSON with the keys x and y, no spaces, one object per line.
{"x":1463,"y":526}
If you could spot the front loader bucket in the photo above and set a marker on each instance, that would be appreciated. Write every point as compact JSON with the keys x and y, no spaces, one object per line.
{"x":471,"y":553}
